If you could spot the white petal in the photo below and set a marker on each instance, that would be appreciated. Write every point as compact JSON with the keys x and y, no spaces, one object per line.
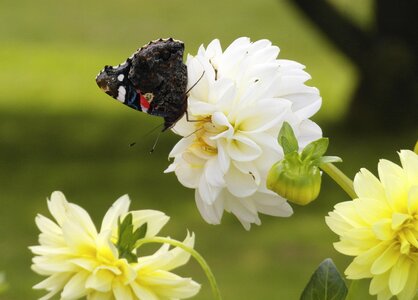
{"x":184,"y":127}
{"x":213,"y":49}
{"x":179,"y":257}
{"x":76,"y":286}
{"x":208,"y":192}
{"x":240,"y":184}
{"x":79,"y":215}
{"x":249,"y":168}
{"x":241,"y":148}
{"x":261,"y":117}
{"x":181,"y":146}
{"x":189,"y":172}
{"x":272,"y":205}
{"x":155,"y":220}
{"x":222,"y":123}
{"x":211,"y":213}
{"x":78,"y":239}
{"x":200,"y":108}
{"x":120,"y":207}
{"x":244,"y":209}
{"x":223,"y":93}
{"x":213,"y":173}
{"x":58,"y":207}
{"x":307,"y":131}
{"x":196,"y":66}
{"x":223,"y":158}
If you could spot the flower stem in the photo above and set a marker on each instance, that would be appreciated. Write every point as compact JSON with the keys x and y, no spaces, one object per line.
{"x":199,"y":258}
{"x":340,"y":178}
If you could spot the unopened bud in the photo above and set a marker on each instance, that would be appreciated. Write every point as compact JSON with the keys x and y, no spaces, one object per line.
{"x":297,"y":181}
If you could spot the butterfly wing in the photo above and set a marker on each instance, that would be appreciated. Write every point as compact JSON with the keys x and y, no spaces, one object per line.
{"x":152,"y":80}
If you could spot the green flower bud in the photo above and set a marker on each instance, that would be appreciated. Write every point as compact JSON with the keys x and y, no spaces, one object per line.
{"x":297,"y":181}
{"x":297,"y":177}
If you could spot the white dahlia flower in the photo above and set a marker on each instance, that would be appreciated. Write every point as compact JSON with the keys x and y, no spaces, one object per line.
{"x":237,"y":108}
{"x":81,"y":262}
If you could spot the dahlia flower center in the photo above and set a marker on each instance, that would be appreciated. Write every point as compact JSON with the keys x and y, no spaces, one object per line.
{"x":206,"y":130}
{"x":407,"y":236}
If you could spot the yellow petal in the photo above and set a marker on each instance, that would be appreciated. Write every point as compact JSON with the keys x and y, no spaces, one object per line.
{"x":122,"y":292}
{"x":410,"y":289}
{"x":399,"y":219}
{"x":383,"y":230}
{"x":413,"y":200}
{"x":409,"y":162}
{"x":379,"y":283}
{"x":399,"y":275}
{"x":357,"y":271}
{"x":367,"y":185}
{"x":100,"y":280}
{"x":369,"y":256}
{"x":362,"y":238}
{"x":385,"y":294}
{"x":336,"y":223}
{"x":348,"y":248}
{"x":100,"y":296}
{"x":142,"y":292}
{"x":395,"y":183}
{"x":76,"y":286}
{"x":347,"y":212}
{"x":386,"y":261}
{"x":372,"y":210}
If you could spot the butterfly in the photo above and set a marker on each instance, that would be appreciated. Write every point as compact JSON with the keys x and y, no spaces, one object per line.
{"x":152,"y":80}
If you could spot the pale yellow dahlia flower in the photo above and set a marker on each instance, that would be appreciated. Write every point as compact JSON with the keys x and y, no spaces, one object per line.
{"x":380,"y":228}
{"x":83,"y":262}
{"x":238,"y":101}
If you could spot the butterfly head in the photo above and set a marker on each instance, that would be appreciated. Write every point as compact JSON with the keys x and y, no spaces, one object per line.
{"x":114,"y":81}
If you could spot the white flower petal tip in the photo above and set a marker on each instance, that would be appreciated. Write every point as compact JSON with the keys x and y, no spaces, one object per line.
{"x":238,"y":108}
{"x":378,"y":228}
{"x":80,"y":262}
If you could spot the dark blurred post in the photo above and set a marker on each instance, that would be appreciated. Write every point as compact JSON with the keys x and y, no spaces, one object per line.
{"x":386,"y":57}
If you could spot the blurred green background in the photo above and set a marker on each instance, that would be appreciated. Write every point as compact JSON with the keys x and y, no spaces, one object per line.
{"x":58,"y":131}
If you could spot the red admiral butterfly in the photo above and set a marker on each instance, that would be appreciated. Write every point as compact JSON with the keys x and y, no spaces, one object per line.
{"x":152,"y":80}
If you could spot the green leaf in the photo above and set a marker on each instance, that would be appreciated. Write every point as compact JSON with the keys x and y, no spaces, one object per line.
{"x":315,"y":149}
{"x":127,"y":238}
{"x":325,"y":284}
{"x":140,"y":232}
{"x":287,"y":139}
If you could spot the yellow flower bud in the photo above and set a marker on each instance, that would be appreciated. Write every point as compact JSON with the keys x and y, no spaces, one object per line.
{"x":299,"y":182}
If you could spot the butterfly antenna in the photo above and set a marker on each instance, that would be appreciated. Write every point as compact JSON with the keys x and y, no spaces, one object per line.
{"x":155,"y":143}
{"x":148,"y":133}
